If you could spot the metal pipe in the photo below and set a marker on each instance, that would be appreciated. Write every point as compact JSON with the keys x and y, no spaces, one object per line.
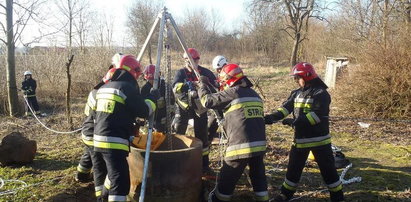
{"x":183,"y":44}
{"x":150,"y":34}
{"x":151,"y":119}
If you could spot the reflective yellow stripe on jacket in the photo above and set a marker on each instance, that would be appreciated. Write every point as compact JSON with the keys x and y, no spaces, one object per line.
{"x":312,"y":142}
{"x":87,"y":140}
{"x":107,"y":99}
{"x":253,"y":107}
{"x":108,"y":142}
{"x":245,"y":148}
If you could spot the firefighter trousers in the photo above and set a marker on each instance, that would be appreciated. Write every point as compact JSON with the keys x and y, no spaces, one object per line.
{"x":99,"y":175}
{"x":180,"y":124}
{"x":231,"y":172}
{"x":212,"y":126}
{"x":85,"y":165}
{"x":325,"y":160}
{"x":117,"y":182}
{"x":32,"y":101}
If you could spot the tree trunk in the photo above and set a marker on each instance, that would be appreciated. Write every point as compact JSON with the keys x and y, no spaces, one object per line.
{"x":11,"y":63}
{"x":68,"y":92}
{"x":295,"y":49}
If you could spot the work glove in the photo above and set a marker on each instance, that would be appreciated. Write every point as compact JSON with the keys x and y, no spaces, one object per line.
{"x":193,"y":94}
{"x":288,"y":122}
{"x":269,"y":119}
{"x":154,"y":94}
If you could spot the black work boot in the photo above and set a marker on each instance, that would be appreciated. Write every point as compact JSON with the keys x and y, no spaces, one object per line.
{"x":282,"y":198}
{"x":83,"y":177}
{"x":337,"y":196}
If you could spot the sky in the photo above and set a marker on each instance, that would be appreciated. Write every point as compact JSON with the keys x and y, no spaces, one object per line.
{"x":232,"y":11}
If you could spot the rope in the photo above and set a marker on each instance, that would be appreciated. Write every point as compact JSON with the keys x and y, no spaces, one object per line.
{"x":42,"y":124}
{"x":221,"y":149}
{"x":24,"y":185}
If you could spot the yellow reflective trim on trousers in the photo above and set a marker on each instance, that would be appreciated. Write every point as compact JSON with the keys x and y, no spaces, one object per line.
{"x":205,"y":153}
{"x":88,"y":142}
{"x":302,"y":105}
{"x":285,"y":185}
{"x":98,"y":193}
{"x":81,"y":169}
{"x":248,"y":150}
{"x":313,"y":144}
{"x":109,"y":145}
{"x":262,"y":198}
{"x":243,"y":105}
{"x":111,"y":97}
{"x":337,"y":188}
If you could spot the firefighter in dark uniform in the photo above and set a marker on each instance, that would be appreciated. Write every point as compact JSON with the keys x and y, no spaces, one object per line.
{"x":85,"y":165}
{"x":161,"y":113}
{"x":310,"y":107}
{"x":188,"y":105}
{"x":28,"y":86}
{"x":118,"y":104}
{"x":244,"y":126}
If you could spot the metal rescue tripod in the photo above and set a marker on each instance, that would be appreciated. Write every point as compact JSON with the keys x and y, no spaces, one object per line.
{"x":162,"y":19}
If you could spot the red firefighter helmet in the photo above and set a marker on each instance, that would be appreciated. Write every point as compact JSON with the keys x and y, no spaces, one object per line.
{"x":193,"y":52}
{"x":131,"y":65}
{"x":230,"y":74}
{"x":149,"y":71}
{"x":305,"y":70}
{"x":109,"y":75}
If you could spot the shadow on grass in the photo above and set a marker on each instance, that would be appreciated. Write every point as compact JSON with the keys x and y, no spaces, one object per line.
{"x":379,"y":183}
{"x":44,"y":162}
{"x":81,"y":194}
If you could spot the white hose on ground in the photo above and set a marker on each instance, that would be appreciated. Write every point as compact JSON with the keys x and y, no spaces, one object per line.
{"x":41,"y":123}
{"x":24,"y":185}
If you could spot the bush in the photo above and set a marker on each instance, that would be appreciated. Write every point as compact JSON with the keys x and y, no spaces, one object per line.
{"x":380,"y":86}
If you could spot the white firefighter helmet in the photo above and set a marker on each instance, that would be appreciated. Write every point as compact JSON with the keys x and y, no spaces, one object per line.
{"x":219,"y":61}
{"x":27,"y":73}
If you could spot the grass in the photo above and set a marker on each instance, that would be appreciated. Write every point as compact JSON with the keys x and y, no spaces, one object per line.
{"x":381,"y":154}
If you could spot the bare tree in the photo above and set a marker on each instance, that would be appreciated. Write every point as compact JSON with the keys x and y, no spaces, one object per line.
{"x":13,"y":30}
{"x":103,"y":34}
{"x":70,"y":9}
{"x":140,"y":20}
{"x":299,"y":13}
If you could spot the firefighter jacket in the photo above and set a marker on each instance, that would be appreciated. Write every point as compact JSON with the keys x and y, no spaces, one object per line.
{"x":118,"y":104}
{"x":310,"y":108}
{"x":161,"y":112}
{"x":182,"y":85}
{"x":29,"y":87}
{"x":243,"y":118}
{"x":88,"y":125}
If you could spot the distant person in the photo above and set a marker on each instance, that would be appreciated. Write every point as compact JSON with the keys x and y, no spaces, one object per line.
{"x":310,"y":106}
{"x":29,"y":86}
{"x":161,"y":112}
{"x":244,"y":125}
{"x":187,"y":108}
